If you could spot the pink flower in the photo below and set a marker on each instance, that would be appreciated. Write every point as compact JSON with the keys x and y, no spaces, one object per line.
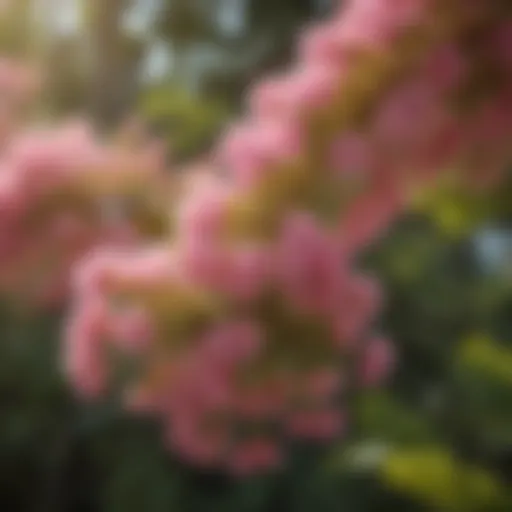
{"x":146,"y":271}
{"x":394,"y":127}
{"x":372,"y":24}
{"x":205,"y":262}
{"x":324,"y":45}
{"x":309,"y":265}
{"x":377,"y":362}
{"x":352,"y":154}
{"x":356,"y":309}
{"x":252,"y":151}
{"x":240,"y":273}
{"x":249,"y":273}
{"x":84,"y":343}
{"x":12,"y":196}
{"x":131,"y":330}
{"x":266,"y":99}
{"x":93,"y":273}
{"x":202,"y":209}
{"x":311,"y":87}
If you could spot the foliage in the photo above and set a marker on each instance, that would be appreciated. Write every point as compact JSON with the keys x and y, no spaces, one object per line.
{"x":189,"y":123}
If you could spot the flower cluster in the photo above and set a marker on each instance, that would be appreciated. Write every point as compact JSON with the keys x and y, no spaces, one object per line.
{"x":63,"y":192}
{"x":253,"y":322}
{"x":239,"y":316}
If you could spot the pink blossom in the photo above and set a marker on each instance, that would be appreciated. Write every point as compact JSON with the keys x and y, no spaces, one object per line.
{"x":12,"y":196}
{"x":240,"y":273}
{"x":394,"y":126}
{"x":323,"y":44}
{"x":249,"y":273}
{"x":205,"y":263}
{"x":309,"y":265}
{"x":201,"y":211}
{"x":311,"y":87}
{"x":377,"y":361}
{"x":84,"y":359}
{"x":373,"y":24}
{"x":131,"y":329}
{"x":352,"y":154}
{"x":266,"y":99}
{"x":254,"y":150}
{"x":359,"y":304}
{"x":93,"y":273}
{"x":145,"y":270}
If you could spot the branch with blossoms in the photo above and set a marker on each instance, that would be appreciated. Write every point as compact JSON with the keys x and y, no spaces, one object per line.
{"x":235,"y":312}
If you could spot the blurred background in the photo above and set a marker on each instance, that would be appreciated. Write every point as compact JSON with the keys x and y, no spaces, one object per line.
{"x":439,"y":438}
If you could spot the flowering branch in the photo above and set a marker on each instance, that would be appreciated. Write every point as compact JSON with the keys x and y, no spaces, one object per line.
{"x":231,"y":325}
